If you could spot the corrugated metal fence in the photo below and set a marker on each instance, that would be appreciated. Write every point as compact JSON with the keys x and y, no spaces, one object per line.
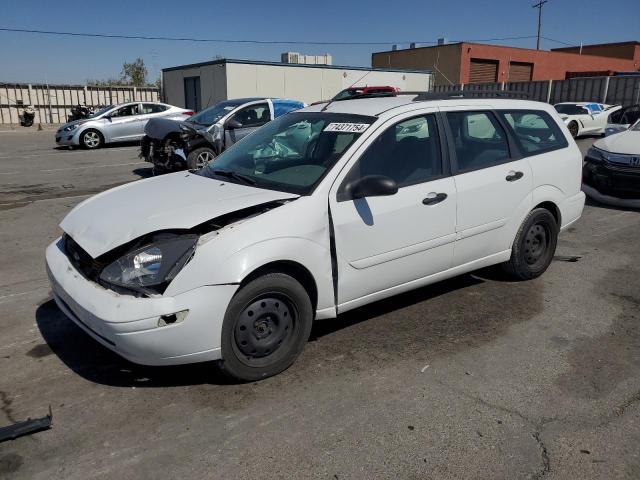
{"x":611,"y":90}
{"x":53,"y":102}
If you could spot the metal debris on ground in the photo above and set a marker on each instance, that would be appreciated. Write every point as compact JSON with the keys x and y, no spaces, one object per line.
{"x":27,"y":427}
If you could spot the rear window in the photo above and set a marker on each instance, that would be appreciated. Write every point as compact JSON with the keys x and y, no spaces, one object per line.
{"x":535,"y":131}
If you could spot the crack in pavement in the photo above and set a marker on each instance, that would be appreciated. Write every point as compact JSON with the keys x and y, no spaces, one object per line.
{"x":537,"y":426}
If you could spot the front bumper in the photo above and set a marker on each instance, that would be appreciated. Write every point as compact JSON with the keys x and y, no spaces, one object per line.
{"x":71,"y":138}
{"x":618,"y":181}
{"x":130,"y":326}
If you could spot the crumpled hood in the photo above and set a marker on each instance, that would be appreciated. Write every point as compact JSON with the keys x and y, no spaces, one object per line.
{"x":627,"y":142}
{"x":177,"y":201}
{"x":159,"y":128}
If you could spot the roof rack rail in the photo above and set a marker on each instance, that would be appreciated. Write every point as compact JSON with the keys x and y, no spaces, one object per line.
{"x":469,"y":93}
{"x":423,"y":95}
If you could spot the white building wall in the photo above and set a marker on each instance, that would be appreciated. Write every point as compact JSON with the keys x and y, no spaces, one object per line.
{"x":307,"y":84}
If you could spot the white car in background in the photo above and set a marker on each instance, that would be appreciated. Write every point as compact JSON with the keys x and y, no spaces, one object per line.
{"x":318,"y":212}
{"x":611,"y":172}
{"x":622,"y":119}
{"x":116,"y":123}
{"x":583,"y":118}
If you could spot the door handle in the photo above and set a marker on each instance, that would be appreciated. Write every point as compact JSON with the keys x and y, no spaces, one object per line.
{"x":434,"y":198}
{"x":513,"y":176}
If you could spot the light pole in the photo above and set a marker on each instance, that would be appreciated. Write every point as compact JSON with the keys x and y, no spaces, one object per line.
{"x":539,"y":7}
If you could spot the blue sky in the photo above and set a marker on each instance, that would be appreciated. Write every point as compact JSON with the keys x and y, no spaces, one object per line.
{"x":39,"y":58}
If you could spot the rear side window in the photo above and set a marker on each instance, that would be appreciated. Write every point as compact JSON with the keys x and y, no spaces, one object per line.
{"x":407,"y":152}
{"x":153,"y":108}
{"x":535,"y":131}
{"x":479,"y":140}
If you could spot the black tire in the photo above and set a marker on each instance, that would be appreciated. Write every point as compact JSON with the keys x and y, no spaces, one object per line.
{"x":91,"y":139}
{"x":266,"y":326}
{"x":573,"y":128}
{"x":199,"y":157}
{"x":534,"y":245}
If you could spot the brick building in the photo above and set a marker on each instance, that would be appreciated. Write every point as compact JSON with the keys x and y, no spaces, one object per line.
{"x":464,"y":62}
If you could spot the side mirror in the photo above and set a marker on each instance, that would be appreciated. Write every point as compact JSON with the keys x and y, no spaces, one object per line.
{"x":369,"y":186}
{"x":233,"y":124}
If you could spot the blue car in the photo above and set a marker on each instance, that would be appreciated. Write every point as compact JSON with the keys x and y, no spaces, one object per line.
{"x":177,"y":145}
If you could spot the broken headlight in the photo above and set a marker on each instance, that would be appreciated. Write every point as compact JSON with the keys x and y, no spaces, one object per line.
{"x":153,"y":265}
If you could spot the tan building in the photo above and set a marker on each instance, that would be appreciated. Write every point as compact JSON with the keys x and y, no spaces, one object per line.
{"x":463,"y":62}
{"x":199,"y":85}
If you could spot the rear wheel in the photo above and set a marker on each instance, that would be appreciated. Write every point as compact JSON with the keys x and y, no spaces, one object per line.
{"x":534,"y":245}
{"x":91,"y":139}
{"x":266,"y":326}
{"x":573,"y":128}
{"x":199,"y":158}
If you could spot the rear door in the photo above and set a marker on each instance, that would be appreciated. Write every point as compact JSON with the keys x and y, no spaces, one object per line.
{"x":494,"y":186}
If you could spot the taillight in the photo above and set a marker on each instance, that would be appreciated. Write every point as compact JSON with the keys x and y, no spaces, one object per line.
{"x":189,"y":113}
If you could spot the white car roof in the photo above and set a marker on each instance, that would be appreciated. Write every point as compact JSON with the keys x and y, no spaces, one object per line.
{"x":375,"y":106}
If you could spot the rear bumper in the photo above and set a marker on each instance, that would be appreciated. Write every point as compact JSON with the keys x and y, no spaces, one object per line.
{"x":571,"y":210}
{"x":131,"y":326}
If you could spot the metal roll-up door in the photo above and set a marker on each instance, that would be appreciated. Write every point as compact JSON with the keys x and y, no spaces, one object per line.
{"x":520,"y":72}
{"x":483,"y":71}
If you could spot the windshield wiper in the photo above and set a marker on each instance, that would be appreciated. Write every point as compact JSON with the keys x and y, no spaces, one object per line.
{"x":237,"y":176}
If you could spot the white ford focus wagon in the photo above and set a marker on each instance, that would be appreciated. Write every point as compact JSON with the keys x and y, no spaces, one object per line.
{"x":318,"y":212}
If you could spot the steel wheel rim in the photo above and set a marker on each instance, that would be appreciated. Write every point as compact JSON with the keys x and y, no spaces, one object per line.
{"x":536,"y":243}
{"x":203,"y":158}
{"x":264,"y":328}
{"x":91,"y":139}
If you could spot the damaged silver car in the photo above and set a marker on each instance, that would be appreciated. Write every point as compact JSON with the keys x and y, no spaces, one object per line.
{"x":174,"y":145}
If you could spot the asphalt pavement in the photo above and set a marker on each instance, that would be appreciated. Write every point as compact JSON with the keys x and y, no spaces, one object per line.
{"x":475,"y":377}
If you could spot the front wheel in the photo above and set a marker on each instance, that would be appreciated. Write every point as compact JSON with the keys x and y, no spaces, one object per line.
{"x":91,"y":139}
{"x":266,"y":326}
{"x":573,"y":129}
{"x":199,"y":158}
{"x":534,"y":245}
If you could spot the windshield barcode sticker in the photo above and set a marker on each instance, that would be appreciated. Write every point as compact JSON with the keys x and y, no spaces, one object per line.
{"x":346,"y":127}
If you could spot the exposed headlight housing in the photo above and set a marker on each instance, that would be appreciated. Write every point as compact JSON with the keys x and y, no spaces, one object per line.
{"x":595,"y":153}
{"x":152,"y":266}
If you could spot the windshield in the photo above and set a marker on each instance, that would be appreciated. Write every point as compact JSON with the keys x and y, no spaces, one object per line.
{"x":211,"y":115}
{"x":290,"y":154}
{"x":102,"y":111}
{"x":636,"y":126}
{"x":569,"y":109}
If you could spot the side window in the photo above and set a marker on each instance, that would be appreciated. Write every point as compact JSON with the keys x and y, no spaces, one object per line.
{"x":479,"y":140}
{"x":153,"y":108}
{"x":408,"y":152}
{"x":535,"y":131}
{"x":126,"y":111}
{"x":254,"y":115}
{"x":631,"y":115}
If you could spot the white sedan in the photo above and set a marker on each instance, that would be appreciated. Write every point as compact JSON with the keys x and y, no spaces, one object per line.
{"x":116,"y":123}
{"x":611,"y":172}
{"x":583,"y":118}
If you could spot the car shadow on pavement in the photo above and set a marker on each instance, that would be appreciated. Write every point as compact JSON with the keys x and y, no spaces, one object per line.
{"x":95,"y":363}
{"x":146,"y":172}
{"x":108,"y":146}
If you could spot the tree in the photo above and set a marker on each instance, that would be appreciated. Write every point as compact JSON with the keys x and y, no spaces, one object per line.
{"x":134,"y":73}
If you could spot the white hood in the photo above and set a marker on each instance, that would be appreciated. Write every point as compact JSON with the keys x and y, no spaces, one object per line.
{"x":177,"y":201}
{"x":627,"y":142}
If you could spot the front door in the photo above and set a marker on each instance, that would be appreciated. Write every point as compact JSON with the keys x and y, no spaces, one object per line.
{"x":382,"y":242}
{"x":493,"y":188}
{"x":123,"y":124}
{"x":249,"y":119}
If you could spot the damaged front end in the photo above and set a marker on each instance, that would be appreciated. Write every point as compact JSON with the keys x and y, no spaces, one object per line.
{"x":163,"y":145}
{"x":145,"y":266}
